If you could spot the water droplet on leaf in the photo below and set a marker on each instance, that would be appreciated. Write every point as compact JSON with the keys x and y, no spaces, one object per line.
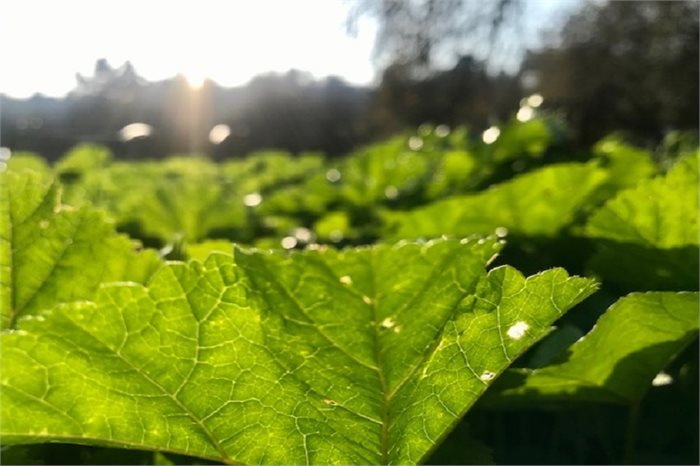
{"x":662,"y":379}
{"x":252,"y":199}
{"x":517,"y":330}
{"x":333,"y":175}
{"x":288,"y":242}
{"x":388,"y":323}
{"x":501,"y":232}
{"x":391,"y":192}
{"x":415,"y":143}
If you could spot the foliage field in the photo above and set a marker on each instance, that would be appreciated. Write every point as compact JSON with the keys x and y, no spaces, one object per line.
{"x":431,"y":298}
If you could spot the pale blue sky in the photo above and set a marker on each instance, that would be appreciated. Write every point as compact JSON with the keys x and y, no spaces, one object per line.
{"x":43,"y":43}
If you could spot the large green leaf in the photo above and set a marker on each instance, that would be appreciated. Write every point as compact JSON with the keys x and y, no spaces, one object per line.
{"x":648,"y":236}
{"x":53,"y":253}
{"x":191,"y":198}
{"x":362,"y":356}
{"x":619,"y":359}
{"x":539,"y":203}
{"x":383,"y":172}
{"x":180,"y":198}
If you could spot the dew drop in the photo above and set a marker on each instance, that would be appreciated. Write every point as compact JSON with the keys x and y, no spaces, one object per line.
{"x":662,"y":379}
{"x":252,"y":199}
{"x":333,"y":175}
{"x":288,"y":242}
{"x":535,"y":100}
{"x":388,"y":322}
{"x":391,"y":192}
{"x":367,"y":299}
{"x":525,"y":114}
{"x":425,"y":129}
{"x":415,"y":143}
{"x":219,"y":134}
{"x":442,"y":131}
{"x":487,"y":376}
{"x":517,"y":330}
{"x":303,"y":235}
{"x":397,"y":329}
{"x":490,"y":135}
{"x":346,"y":280}
{"x":501,"y":232}
{"x":330,"y":402}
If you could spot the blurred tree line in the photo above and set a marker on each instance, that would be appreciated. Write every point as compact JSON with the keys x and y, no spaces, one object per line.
{"x":613,"y":66}
{"x":629,"y":66}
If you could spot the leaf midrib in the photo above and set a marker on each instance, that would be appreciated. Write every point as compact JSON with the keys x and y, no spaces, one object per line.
{"x":64,"y":249}
{"x":387,"y":394}
{"x":46,"y":198}
{"x":17,"y":311}
{"x":318,"y":328}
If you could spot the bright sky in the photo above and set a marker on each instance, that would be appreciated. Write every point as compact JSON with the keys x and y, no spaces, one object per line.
{"x":44,"y":43}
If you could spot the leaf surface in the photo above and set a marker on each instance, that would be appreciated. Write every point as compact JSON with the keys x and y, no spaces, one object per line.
{"x":53,"y":253}
{"x":362,"y":356}
{"x":538,"y":203}
{"x":618,"y":360}
{"x":648,"y":236}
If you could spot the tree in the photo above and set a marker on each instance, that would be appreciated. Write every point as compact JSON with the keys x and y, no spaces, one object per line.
{"x":630,"y":66}
{"x":413,"y":33}
{"x":465,"y":94}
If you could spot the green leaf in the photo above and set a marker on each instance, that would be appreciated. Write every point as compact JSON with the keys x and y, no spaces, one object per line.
{"x":334,"y":226}
{"x":618,"y":360}
{"x":263,"y":170}
{"x":539,"y":203}
{"x":456,"y":169}
{"x":181,"y":199}
{"x":627,"y":165}
{"x":383,"y":172}
{"x":361,"y":356}
{"x":81,"y":160}
{"x":52,"y":252}
{"x":530,"y":138}
{"x":200,"y":251}
{"x":648,"y":236}
{"x":661,"y":213}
